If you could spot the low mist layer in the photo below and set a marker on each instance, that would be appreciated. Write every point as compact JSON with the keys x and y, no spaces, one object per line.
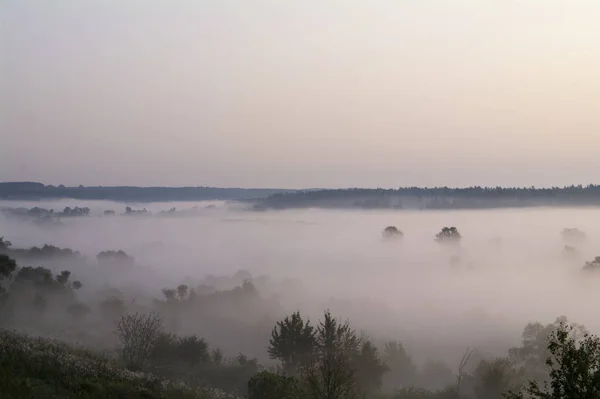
{"x":509,"y":268}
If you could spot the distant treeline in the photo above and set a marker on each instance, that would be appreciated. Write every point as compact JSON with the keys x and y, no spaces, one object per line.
{"x":263,"y":199}
{"x":35,"y":191}
{"x":433,"y":198}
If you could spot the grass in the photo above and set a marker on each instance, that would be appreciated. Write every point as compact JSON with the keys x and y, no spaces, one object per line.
{"x":33,"y":367}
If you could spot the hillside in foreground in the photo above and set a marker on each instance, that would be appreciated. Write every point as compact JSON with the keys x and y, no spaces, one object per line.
{"x":40,"y":368}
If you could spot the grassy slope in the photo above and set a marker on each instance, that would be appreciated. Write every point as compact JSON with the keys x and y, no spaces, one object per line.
{"x":40,"y":368}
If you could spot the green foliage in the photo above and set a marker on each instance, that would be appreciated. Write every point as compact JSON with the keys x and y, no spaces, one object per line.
{"x":292,"y":342}
{"x":530,"y":358}
{"x":267,"y":385}
{"x":574,"y":366}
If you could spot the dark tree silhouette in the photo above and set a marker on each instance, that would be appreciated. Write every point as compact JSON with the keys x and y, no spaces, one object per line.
{"x":330,"y":374}
{"x":368,"y":368}
{"x":448,"y":234}
{"x":593,"y":265}
{"x":292,"y":342}
{"x":391,"y":232}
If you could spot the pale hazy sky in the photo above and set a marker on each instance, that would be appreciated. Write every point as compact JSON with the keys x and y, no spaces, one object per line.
{"x":307,"y":93}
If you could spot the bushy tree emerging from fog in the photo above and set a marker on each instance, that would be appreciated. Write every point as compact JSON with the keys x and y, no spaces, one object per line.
{"x":330,"y":374}
{"x":574,"y":366}
{"x":448,"y":234}
{"x":391,"y":232}
{"x":592,"y":265}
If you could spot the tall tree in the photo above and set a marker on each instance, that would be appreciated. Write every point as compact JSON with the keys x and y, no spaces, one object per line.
{"x":330,"y":375}
{"x":292,"y":342}
{"x":368,"y":368}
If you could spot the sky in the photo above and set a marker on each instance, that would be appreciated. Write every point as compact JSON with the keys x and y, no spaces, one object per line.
{"x":300,"y":94}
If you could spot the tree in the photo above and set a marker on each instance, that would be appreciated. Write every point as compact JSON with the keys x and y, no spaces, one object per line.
{"x":182,"y":291}
{"x":4,"y":245}
{"x":193,"y":350}
{"x":7,"y":266}
{"x":118,"y":258}
{"x":574,"y":367}
{"x":63,"y":277}
{"x":368,"y":368}
{"x":292,"y":342}
{"x":403,"y":371}
{"x":530,"y":358}
{"x":593,"y":265}
{"x":448,"y":234}
{"x":169,"y":293}
{"x":392,"y":231}
{"x":138,"y":333}
{"x":330,"y":374}
{"x":461,"y":368}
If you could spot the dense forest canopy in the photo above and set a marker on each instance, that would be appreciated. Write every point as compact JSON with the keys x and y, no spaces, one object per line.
{"x":34,"y":191}
{"x":433,"y":198}
{"x":263,"y":199}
